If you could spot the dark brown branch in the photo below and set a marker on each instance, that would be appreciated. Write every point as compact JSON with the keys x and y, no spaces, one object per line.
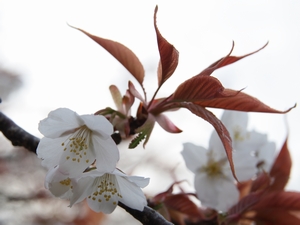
{"x":147,"y":217}
{"x":17,"y":135}
{"x":20,"y":137}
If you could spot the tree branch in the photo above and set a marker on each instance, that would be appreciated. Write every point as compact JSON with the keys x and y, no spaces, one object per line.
{"x":20,"y":137}
{"x":17,"y":135}
{"x":147,"y":217}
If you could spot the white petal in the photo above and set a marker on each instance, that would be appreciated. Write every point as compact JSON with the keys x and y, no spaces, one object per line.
{"x":250,"y":142}
{"x":77,"y":152}
{"x":132,"y":195}
{"x":105,"y":207}
{"x":217,"y":193}
{"x":82,"y":188}
{"x":194,"y":156}
{"x":50,"y":151}
{"x":244,"y":164}
{"x":233,"y":119}
{"x":216,"y":147}
{"x":105,"y":194}
{"x":205,"y":189}
{"x":73,"y":164}
{"x":236,"y":124}
{"x":139,"y":181}
{"x":266,"y":153}
{"x":107,"y":153}
{"x":58,"y":183}
{"x":59,"y":122}
{"x":98,"y":124}
{"x":229,"y":195}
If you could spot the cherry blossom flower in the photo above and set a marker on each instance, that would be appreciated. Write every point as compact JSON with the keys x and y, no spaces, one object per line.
{"x":103,"y":191}
{"x":214,"y":182}
{"x":253,"y":142}
{"x":74,"y":142}
{"x":58,"y":184}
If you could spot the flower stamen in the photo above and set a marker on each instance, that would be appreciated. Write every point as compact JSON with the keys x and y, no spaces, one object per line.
{"x":106,"y":189}
{"x":77,"y":145}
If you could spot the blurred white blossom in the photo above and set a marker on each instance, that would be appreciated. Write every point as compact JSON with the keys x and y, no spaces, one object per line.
{"x":214,"y":182}
{"x":255,"y":143}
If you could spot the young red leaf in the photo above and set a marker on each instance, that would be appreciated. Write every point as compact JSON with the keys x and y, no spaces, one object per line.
{"x":276,"y":216}
{"x":235,"y":213}
{"x":123,"y":54}
{"x":127,"y":101}
{"x":198,"y":88}
{"x":167,"y":124}
{"x":217,"y":124}
{"x":244,"y":187}
{"x":183,"y":204}
{"x":179,"y":206}
{"x":159,"y":198}
{"x":117,"y":97}
{"x":237,"y":100}
{"x":168,"y":55}
{"x":261,"y":183}
{"x":281,"y":169}
{"x":227,"y":60}
{"x":134,"y":92}
{"x":278,"y":207}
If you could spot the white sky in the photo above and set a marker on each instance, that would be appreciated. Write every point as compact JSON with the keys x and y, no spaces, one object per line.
{"x":61,"y":67}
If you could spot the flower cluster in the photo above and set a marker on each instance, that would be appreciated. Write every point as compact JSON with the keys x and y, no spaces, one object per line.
{"x":81,"y":157}
{"x":214,"y":182}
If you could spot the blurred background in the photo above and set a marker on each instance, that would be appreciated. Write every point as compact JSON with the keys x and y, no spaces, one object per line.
{"x":45,"y":64}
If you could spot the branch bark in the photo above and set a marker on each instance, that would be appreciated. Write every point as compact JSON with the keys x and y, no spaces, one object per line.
{"x":17,"y":135}
{"x":20,"y":137}
{"x":147,"y":217}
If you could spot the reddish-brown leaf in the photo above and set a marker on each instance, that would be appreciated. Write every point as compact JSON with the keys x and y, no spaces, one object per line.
{"x":127,"y":101}
{"x":198,"y":88}
{"x":168,"y":55}
{"x":167,"y":124}
{"x":227,"y":60}
{"x":217,"y":124}
{"x":179,"y":206}
{"x":271,"y":216}
{"x":123,"y":54}
{"x":244,"y":187}
{"x":157,"y":199}
{"x":117,"y":97}
{"x":182,"y":203}
{"x":278,"y":207}
{"x":279,"y":199}
{"x":281,"y":169}
{"x":236,"y":211}
{"x":237,"y":100}
{"x":261,"y":183}
{"x":134,"y":92}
